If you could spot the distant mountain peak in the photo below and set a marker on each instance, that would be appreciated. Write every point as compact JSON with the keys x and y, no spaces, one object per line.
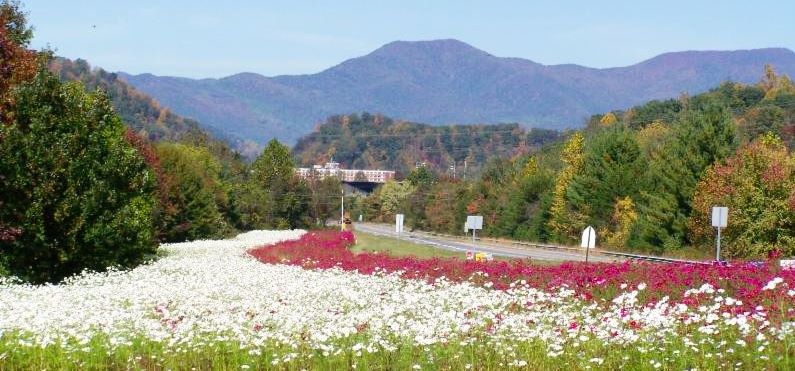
{"x":448,"y":81}
{"x":439,"y":46}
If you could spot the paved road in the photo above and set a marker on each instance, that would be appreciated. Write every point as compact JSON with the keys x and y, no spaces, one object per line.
{"x":497,"y":249}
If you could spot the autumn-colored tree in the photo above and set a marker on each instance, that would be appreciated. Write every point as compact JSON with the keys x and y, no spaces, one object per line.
{"x":17,"y":63}
{"x":393,"y":195}
{"x":560,"y":222}
{"x":608,"y":119}
{"x":774,"y":84}
{"x":758,"y":187}
{"x":622,"y":221}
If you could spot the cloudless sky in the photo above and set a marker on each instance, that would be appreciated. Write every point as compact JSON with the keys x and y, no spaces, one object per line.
{"x":198,"y":38}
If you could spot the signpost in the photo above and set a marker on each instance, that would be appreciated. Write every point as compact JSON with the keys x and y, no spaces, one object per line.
{"x":474,"y":222}
{"x":342,"y":209}
{"x":399,"y":224}
{"x":720,"y":219}
{"x":588,"y":240}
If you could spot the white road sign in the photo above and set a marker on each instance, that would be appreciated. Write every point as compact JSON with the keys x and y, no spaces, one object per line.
{"x":474,"y":222}
{"x":720,"y":216}
{"x":588,"y":238}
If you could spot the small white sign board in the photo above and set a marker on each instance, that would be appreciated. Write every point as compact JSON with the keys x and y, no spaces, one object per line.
{"x":474,"y":222}
{"x":720,"y":216}
{"x":588,"y":238}
{"x":399,"y":223}
{"x":787,"y":263}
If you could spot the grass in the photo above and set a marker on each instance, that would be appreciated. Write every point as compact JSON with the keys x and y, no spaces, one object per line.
{"x":480,"y":354}
{"x":400,"y":247}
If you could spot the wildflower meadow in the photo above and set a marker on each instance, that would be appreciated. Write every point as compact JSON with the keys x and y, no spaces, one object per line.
{"x":303,"y":300}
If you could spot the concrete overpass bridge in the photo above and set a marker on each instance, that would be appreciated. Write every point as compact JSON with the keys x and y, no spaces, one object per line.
{"x":363,"y":180}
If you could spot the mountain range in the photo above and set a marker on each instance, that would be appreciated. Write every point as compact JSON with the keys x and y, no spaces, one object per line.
{"x":445,"y":82}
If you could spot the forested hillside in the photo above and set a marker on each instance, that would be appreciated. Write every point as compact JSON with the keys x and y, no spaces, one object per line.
{"x":645,"y":178}
{"x":145,"y":115}
{"x":374,"y":141}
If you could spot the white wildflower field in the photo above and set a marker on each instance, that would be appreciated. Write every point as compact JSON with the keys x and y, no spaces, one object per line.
{"x":209,"y":305}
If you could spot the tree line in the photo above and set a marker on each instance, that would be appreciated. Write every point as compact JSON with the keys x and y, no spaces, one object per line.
{"x":645,"y":178}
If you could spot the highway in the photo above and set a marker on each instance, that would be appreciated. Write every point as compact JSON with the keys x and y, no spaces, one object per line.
{"x":494,"y":248}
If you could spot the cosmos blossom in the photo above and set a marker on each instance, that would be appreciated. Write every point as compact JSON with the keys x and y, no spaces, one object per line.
{"x":216,"y":291}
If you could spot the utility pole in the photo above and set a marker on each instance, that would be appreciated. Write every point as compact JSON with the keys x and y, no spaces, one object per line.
{"x":465,"y":169}
{"x":453,"y":168}
{"x":342,"y":210}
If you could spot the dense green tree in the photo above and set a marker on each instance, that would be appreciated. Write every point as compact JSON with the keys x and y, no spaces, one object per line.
{"x":288,"y":196}
{"x":77,"y":195}
{"x":274,"y":168}
{"x":421,"y":176}
{"x":699,"y":138}
{"x":525,"y":193}
{"x":196,"y":193}
{"x":612,"y":165}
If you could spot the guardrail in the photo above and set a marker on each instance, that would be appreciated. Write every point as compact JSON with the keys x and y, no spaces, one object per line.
{"x":628,"y":256}
{"x":658,"y":259}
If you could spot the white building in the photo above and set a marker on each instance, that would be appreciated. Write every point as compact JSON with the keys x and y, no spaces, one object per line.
{"x":345,"y":175}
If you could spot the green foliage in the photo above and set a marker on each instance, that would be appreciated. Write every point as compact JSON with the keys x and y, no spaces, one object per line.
{"x":393,"y":195}
{"x":521,"y":217}
{"x":632,"y":174}
{"x":196,"y":194}
{"x":78,"y":194}
{"x":612,"y":165}
{"x":274,"y":168}
{"x":421,"y":176}
{"x":758,"y":186}
{"x":699,"y":139}
{"x":288,"y":196}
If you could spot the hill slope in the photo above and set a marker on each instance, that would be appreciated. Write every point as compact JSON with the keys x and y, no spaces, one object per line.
{"x":377,"y":142}
{"x":143,"y":114}
{"x":448,"y":81}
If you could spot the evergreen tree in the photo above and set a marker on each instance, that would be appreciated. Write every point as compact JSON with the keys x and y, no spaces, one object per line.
{"x":700,"y":137}
{"x":288,"y":196}
{"x":612,"y":166}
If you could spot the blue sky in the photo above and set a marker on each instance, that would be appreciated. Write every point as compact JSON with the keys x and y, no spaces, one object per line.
{"x":217,"y":38}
